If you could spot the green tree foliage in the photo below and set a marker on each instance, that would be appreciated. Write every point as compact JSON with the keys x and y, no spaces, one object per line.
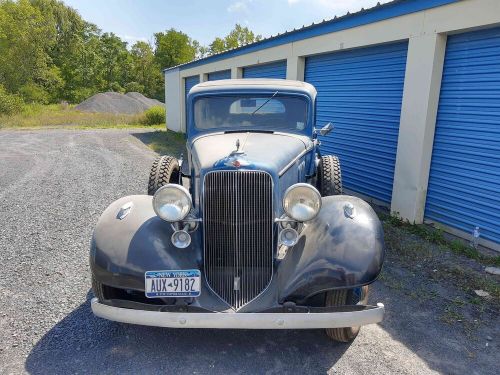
{"x":237,"y":37}
{"x":48,"y":53}
{"x":174,"y":47}
{"x":146,"y":70}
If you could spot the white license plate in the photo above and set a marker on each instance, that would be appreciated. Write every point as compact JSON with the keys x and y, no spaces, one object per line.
{"x":180,"y":283}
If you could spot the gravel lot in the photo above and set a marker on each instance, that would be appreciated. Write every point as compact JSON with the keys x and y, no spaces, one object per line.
{"x":53,"y":186}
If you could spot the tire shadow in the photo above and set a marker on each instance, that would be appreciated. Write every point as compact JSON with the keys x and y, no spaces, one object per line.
{"x":83,"y":343}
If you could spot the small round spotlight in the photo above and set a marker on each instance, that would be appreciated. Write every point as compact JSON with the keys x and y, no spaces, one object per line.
{"x":181,"y":239}
{"x":288,"y":237}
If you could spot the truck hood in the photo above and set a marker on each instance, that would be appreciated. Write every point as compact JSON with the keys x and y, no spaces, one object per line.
{"x":264,"y":151}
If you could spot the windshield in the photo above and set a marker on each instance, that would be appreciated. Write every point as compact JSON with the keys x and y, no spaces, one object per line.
{"x":270,"y":112}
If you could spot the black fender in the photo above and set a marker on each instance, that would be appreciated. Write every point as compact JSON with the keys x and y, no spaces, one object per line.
{"x":343,"y":247}
{"x":123,"y":249}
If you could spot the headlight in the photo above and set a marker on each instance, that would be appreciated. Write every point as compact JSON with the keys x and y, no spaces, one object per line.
{"x":172,"y":202}
{"x":302,"y":202}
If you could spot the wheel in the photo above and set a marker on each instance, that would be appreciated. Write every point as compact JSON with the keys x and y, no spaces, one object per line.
{"x":341,"y":298}
{"x":97,"y":289}
{"x":165,"y":170}
{"x":329,"y":177}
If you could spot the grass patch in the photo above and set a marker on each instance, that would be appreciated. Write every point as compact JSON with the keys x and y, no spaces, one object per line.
{"x":164,"y":142}
{"x":65,"y":116}
{"x":436,"y":236}
{"x":421,"y":250}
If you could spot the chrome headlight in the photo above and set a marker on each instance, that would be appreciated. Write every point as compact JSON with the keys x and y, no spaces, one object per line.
{"x":302,"y":202}
{"x":172,"y":202}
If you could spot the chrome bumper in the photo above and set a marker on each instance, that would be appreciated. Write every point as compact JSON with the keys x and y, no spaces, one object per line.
{"x":240,"y":320}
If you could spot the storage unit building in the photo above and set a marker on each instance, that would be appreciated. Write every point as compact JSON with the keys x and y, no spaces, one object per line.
{"x":413,"y":90}
{"x":223,"y":74}
{"x":360,"y":91}
{"x":273,"y":70}
{"x":464,"y":182}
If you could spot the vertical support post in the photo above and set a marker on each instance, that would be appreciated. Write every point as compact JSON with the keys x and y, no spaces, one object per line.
{"x":295,"y":66}
{"x":424,"y":69}
{"x":236,"y":73}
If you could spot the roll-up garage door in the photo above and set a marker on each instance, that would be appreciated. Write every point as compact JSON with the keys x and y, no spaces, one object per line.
{"x":273,"y":70}
{"x":223,"y":74}
{"x":464,"y":181}
{"x":360,"y":91}
{"x":189,"y":83}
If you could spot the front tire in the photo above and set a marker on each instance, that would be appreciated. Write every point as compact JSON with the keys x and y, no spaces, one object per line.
{"x":165,"y":170}
{"x":345,"y":297}
{"x":329,"y":176}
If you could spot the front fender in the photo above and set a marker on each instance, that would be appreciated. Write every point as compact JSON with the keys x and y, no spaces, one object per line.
{"x":334,"y":251}
{"x":122,"y":250}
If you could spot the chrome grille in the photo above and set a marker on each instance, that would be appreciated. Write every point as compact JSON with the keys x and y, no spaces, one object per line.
{"x":238,"y":234}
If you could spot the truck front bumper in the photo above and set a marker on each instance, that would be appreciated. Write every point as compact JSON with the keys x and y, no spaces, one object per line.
{"x":261,"y":320}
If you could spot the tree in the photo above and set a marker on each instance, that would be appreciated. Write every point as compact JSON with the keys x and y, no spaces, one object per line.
{"x":147,"y":72}
{"x":25,"y":42}
{"x":173,"y":48}
{"x":115,"y":61}
{"x":237,"y":37}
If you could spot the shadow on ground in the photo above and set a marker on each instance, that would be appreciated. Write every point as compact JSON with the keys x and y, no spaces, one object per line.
{"x":84,"y":343}
{"x":163,"y":142}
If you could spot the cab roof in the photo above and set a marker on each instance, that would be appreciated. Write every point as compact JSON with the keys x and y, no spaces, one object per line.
{"x":255,"y":84}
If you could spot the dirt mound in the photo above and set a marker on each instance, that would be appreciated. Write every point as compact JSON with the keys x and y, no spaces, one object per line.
{"x":114,"y":102}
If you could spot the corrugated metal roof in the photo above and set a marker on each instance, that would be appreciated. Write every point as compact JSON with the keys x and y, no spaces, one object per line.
{"x":377,"y":13}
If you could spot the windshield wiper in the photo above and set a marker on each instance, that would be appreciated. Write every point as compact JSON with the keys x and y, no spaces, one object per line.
{"x":263,"y":104}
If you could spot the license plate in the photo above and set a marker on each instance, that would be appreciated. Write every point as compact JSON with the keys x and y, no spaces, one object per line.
{"x":181,"y":283}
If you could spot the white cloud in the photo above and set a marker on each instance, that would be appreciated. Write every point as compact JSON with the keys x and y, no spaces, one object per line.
{"x":132,"y":39}
{"x":238,"y":6}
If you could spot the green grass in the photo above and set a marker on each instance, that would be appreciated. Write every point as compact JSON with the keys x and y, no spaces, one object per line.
{"x":436,"y":236}
{"x":36,"y":116}
{"x":164,"y":142}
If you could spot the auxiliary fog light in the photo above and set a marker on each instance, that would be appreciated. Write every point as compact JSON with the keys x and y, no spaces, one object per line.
{"x":288,"y":237}
{"x":181,"y":239}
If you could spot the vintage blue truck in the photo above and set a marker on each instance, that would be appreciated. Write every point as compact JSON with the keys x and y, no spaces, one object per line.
{"x":249,"y":230}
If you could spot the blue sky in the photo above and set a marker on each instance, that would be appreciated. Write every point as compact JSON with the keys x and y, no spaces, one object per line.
{"x":203,"y":20}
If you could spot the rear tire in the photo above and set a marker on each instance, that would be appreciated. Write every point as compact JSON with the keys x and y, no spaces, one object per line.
{"x":341,"y":298}
{"x":329,"y":176}
{"x":165,"y":170}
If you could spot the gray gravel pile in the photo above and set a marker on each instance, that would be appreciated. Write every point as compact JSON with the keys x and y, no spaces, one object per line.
{"x":143,"y":99}
{"x":114,"y":102}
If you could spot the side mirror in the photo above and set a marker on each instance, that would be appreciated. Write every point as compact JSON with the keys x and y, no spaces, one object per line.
{"x":325,"y":129}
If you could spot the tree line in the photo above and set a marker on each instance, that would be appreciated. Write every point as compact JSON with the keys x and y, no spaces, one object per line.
{"x":49,"y":53}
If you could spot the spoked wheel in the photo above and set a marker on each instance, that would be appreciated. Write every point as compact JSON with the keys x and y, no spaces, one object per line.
{"x":329,"y":176}
{"x":165,"y":170}
{"x":341,"y":298}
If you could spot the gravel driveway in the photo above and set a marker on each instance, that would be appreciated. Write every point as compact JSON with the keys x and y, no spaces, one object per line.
{"x":53,"y":186}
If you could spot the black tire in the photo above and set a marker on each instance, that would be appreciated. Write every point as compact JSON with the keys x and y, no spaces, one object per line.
{"x":97,"y":289}
{"x":165,"y":170}
{"x":329,"y":176}
{"x":341,"y":298}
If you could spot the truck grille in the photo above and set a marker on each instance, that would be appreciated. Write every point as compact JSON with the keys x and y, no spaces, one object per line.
{"x":238,"y":231}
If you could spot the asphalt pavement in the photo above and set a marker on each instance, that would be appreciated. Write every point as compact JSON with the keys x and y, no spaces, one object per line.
{"x":53,"y":186}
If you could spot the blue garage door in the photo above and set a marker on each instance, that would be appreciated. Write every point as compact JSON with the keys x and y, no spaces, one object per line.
{"x":360,"y":91}
{"x":464,"y":181}
{"x":189,"y":82}
{"x":223,"y":74}
{"x":273,"y":70}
